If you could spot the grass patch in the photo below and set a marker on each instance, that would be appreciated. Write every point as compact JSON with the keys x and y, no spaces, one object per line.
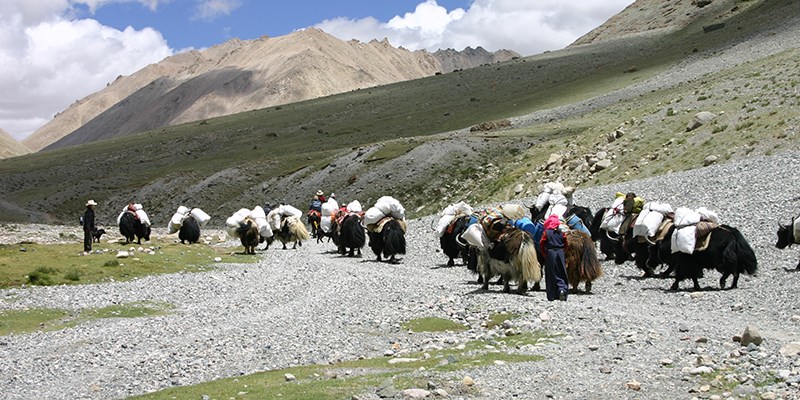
{"x":498,"y":319}
{"x":24,"y":321}
{"x":18,"y":268}
{"x":324,"y":382}
{"x":392,"y":150}
{"x":433,"y":324}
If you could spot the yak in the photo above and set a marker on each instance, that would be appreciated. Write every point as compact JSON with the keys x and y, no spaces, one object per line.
{"x":512,"y":256}
{"x":351,"y":235}
{"x":292,"y":231}
{"x":190,"y":231}
{"x":130,"y":226}
{"x":388,"y":239}
{"x":248,"y":234}
{"x":581,"y":260}
{"x":451,"y":246}
{"x":786,"y":236}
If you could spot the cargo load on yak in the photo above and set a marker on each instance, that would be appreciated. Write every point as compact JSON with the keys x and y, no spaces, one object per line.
{"x":449,"y":214}
{"x":276,"y":216}
{"x":650,"y":219}
{"x":232,"y":223}
{"x":691,"y":226}
{"x":386,"y":206}
{"x":328,"y":210}
{"x":183,"y":212}
{"x":619,"y":216}
{"x":138,"y":211}
{"x":535,"y":229}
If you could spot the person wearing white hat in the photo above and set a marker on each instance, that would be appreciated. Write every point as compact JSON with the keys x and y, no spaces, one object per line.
{"x":88,"y":226}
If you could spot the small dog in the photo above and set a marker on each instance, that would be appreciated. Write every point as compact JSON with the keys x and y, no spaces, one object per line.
{"x":97,"y":233}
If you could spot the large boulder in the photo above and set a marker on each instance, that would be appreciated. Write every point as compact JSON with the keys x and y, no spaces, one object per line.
{"x":700,"y":119}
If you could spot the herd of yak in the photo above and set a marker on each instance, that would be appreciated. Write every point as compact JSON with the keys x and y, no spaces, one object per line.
{"x":503,"y":241}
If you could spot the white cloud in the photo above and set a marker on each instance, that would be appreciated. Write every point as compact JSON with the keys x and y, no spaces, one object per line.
{"x":48,"y":60}
{"x":526,"y":26}
{"x":211,"y":9}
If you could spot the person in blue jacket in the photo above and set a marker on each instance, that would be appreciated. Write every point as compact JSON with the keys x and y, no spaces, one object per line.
{"x":553,"y":243}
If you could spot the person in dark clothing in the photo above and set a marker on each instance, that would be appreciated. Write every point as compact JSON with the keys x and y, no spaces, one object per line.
{"x":88,"y":226}
{"x":553,"y":243}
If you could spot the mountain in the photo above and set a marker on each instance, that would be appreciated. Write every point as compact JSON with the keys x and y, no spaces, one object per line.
{"x":10,"y":147}
{"x":716,"y":88}
{"x":240,"y":76}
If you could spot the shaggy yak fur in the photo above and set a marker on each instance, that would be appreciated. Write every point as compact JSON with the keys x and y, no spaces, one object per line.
{"x":248,"y":234}
{"x":129,"y":227}
{"x":314,"y":218}
{"x":352,"y":235}
{"x":728,"y":252}
{"x":190,"y":231}
{"x":513,"y":257}
{"x":292,"y":231}
{"x":581,"y":259}
{"x":449,"y":241}
{"x":786,"y":237}
{"x":97,"y":233}
{"x":389,"y":242}
{"x":628,"y":248}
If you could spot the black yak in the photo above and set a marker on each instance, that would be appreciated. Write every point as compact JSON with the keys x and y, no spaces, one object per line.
{"x":786,"y":237}
{"x":190,"y":231}
{"x":351,"y":235}
{"x":388,"y":239}
{"x":130,"y":226}
{"x":728,"y":252}
{"x":513,"y":256}
{"x":450,"y":243}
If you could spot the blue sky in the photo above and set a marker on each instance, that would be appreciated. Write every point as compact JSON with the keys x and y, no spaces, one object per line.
{"x":55,"y":52}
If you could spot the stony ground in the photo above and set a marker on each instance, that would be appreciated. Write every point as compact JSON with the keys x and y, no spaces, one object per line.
{"x":629,"y":339}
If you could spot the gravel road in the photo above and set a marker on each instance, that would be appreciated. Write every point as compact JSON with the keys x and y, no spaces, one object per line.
{"x":310,"y":306}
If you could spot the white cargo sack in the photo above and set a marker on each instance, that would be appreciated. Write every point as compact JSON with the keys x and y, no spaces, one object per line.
{"x":274,"y":218}
{"x":200,"y":216}
{"x":143,"y":218}
{"x":325,"y":224}
{"x":558,"y":205}
{"x":388,"y":205}
{"x":137,"y":207}
{"x":649,"y":220}
{"x":182,"y":210}
{"x":373,"y":216}
{"x":708,"y":215}
{"x":289,"y":211}
{"x":257,"y":213}
{"x":513,"y":211}
{"x":329,"y":207}
{"x":475,"y":236}
{"x":684,"y":239}
{"x":264,"y":230}
{"x":354,"y":207}
{"x":444,"y":222}
{"x":614,"y":216}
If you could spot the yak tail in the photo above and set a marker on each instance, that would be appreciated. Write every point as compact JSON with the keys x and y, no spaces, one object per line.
{"x":590,"y":268}
{"x":394,"y":240}
{"x":299,"y":231}
{"x":742,"y":252}
{"x":528,"y":262}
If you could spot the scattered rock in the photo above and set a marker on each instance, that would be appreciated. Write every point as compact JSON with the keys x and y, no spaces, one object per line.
{"x":123,"y":254}
{"x":790,"y":349}
{"x":701,"y":370}
{"x":415,"y":393}
{"x":602,"y":164}
{"x":710,"y":160}
{"x":633,"y":385}
{"x":289,"y":377}
{"x":468,"y":381}
{"x":519,"y":188}
{"x":751,"y":335}
{"x":699,"y":120}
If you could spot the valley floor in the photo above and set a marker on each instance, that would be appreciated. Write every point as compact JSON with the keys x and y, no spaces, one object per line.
{"x":310,"y":306}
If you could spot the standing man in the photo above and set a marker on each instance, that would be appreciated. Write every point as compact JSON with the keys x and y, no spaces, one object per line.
{"x":88,"y":226}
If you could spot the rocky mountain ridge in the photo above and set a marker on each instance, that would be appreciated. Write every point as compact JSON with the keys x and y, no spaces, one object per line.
{"x":10,"y":147}
{"x":238,"y":76}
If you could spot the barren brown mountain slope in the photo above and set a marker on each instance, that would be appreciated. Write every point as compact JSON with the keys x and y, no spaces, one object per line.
{"x":655,"y":16}
{"x":9,"y":147}
{"x":244,"y":75}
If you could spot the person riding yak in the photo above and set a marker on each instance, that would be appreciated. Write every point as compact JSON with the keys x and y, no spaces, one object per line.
{"x":315,"y":212}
